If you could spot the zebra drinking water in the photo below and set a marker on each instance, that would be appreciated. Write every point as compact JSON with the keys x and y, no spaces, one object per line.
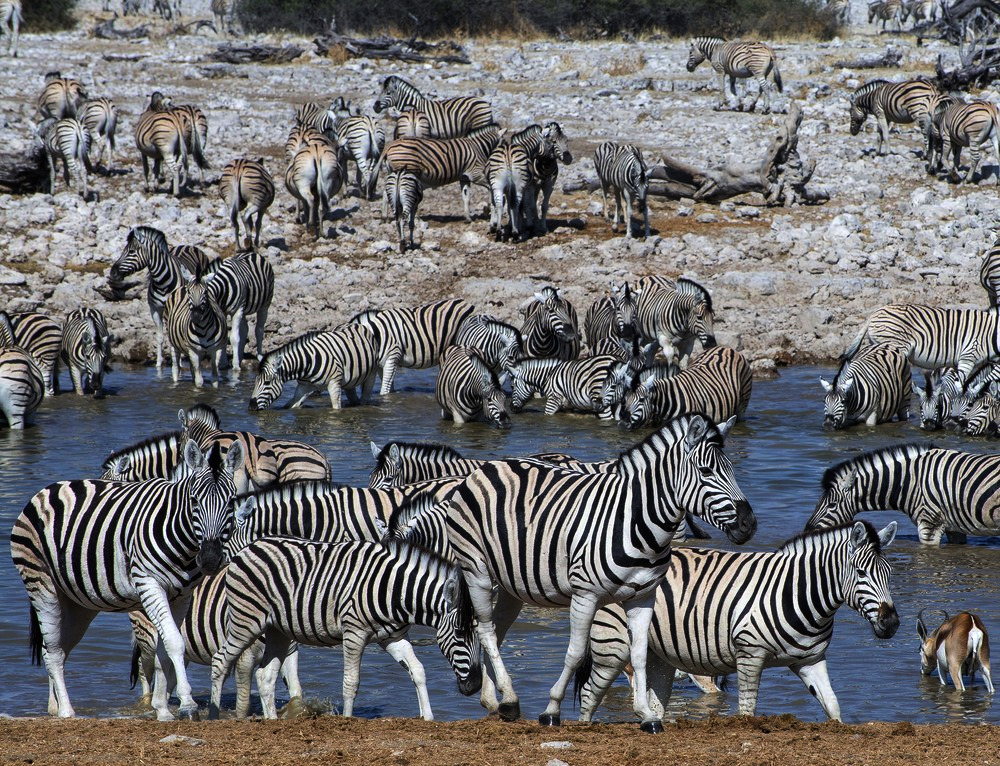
{"x":872,"y":387}
{"x":86,"y":349}
{"x":22,"y":387}
{"x":40,"y":337}
{"x":467,"y":388}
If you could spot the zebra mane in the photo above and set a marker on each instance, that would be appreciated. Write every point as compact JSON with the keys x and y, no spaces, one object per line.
{"x":146,"y":234}
{"x":687,"y":286}
{"x":363,"y":315}
{"x":429,"y":449}
{"x":152,"y":441}
{"x":867,"y":88}
{"x":291,"y":490}
{"x":833,"y":474}
{"x":204,"y":414}
{"x":804,"y":539}
{"x":292,"y":345}
{"x":404,"y":515}
{"x":670,"y":433}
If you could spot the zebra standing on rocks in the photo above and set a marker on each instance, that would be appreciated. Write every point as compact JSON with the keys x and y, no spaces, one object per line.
{"x":246,"y":188}
{"x":402,"y":190}
{"x":508,"y":173}
{"x":314,"y":176}
{"x":160,"y":137}
{"x":899,"y":102}
{"x":41,"y":337}
{"x":242,"y":286}
{"x":196,"y":328}
{"x":446,"y":118}
{"x":738,"y":58}
{"x":364,"y":140}
{"x":66,"y":141}
{"x":195,"y":129}
{"x":621,"y":168}
{"x":969,"y":124}
{"x":547,"y":147}
{"x":550,"y":328}
{"x":61,"y":96}
{"x":100,"y":119}
{"x":871,"y":387}
{"x":86,"y":349}
{"x":11,"y":19}
{"x":885,"y":11}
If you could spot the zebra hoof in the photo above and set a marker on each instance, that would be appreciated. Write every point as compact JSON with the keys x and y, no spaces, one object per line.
{"x":549,"y":719}
{"x":653,"y":726}
{"x":188,"y":714}
{"x":509,"y":711}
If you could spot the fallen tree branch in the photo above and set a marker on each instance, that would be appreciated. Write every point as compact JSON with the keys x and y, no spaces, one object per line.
{"x":247,"y":54}
{"x":193,"y":26}
{"x":891,"y":58}
{"x":395,"y":48}
{"x":106,"y":31}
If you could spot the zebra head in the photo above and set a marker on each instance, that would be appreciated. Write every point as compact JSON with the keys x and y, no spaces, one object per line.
{"x":269,"y":381}
{"x":982,"y":417}
{"x":388,"y":464}
{"x":865,"y":578}
{"x":521,"y":390}
{"x":555,"y":143}
{"x":212,"y":489}
{"x":511,"y":346}
{"x":701,"y":49}
{"x":933,"y":405}
{"x":704,"y":481}
{"x":625,"y":305}
{"x":158,"y":102}
{"x":395,"y":93}
{"x":701,"y":315}
{"x":137,"y":254}
{"x":95,"y":348}
{"x":838,"y":503}
{"x":637,"y":405}
{"x":839,"y":401}
{"x":558,"y":315}
{"x":494,"y":399}
{"x":983,"y":378}
{"x":616,"y":386}
{"x":455,"y":631}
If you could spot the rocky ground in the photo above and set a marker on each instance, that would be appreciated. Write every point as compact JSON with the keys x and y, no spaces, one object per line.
{"x":790,"y":285}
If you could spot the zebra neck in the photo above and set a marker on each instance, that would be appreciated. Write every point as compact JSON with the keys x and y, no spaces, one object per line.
{"x":821,"y":560}
{"x":650,"y":502}
{"x":888,"y":484}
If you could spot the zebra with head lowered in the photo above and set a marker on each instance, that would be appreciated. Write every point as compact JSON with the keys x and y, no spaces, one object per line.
{"x":621,"y":168}
{"x":587,"y":541}
{"x":497,"y":343}
{"x":719,"y":612}
{"x":899,"y":102}
{"x":86,"y":349}
{"x":550,"y":327}
{"x":84,"y":547}
{"x":22,"y":386}
{"x":941,"y":490}
{"x":446,"y":118}
{"x":872,"y":387}
{"x":40,"y":337}
{"x":675,"y":315}
{"x":969,"y":124}
{"x":467,"y":388}
{"x":347,"y":594}
{"x":413,"y":337}
{"x":738,"y":58}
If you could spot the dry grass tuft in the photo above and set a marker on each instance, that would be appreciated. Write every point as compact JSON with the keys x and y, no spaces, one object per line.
{"x":625,"y":65}
{"x":338,"y":55}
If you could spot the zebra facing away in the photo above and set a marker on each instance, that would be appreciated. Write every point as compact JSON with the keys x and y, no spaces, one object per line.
{"x":989,"y":272}
{"x":942,"y":491}
{"x":240,"y":286}
{"x":11,"y":19}
{"x":84,"y":547}
{"x":99,"y":117}
{"x":621,"y":168}
{"x":67,"y":142}
{"x":41,"y":337}
{"x":368,"y":592}
{"x":587,"y":541}
{"x":86,"y":349}
{"x":402,"y":190}
{"x":446,"y":118}
{"x":738,"y":58}
{"x":61,"y":96}
{"x":314,"y":176}
{"x":970,"y":124}
{"x":338,"y":360}
{"x":872,"y":387}
{"x":720,"y":612}
{"x":159,"y":136}
{"x":899,"y":102}
{"x":466,"y":388}
{"x":22,"y":387}
{"x":246,"y":188}
{"x":508,"y":173}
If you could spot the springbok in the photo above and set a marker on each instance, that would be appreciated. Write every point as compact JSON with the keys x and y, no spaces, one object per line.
{"x":959,"y":646}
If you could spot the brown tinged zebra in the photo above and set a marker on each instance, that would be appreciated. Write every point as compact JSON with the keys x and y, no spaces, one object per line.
{"x":222,"y":11}
{"x":38,"y":335}
{"x":160,"y":137}
{"x":61,"y":96}
{"x":195,"y":125}
{"x":412,"y":124}
{"x":66,"y":141}
{"x":970,"y":124}
{"x":196,"y":328}
{"x":86,"y":349}
{"x":402,"y":190}
{"x":246,"y":188}
{"x":304,"y":135}
{"x":903,"y":103}
{"x":314,"y":176}
{"x":675,"y":315}
{"x":621,"y":168}
{"x":22,"y":386}
{"x":447,"y":118}
{"x":885,"y":11}
{"x":467,"y":389}
{"x":738,"y":58}
{"x":508,"y":173}
{"x":100,"y":119}
{"x":11,"y":19}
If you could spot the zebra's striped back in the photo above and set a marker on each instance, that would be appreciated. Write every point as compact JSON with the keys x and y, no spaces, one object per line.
{"x":66,"y":141}
{"x":404,"y":194}
{"x":158,"y":457}
{"x":400,"y":463}
{"x":412,"y":124}
{"x":467,"y":388}
{"x":100,"y":119}
{"x":314,"y":177}
{"x":246,"y":187}
{"x":10,"y":23}
{"x":737,"y":58}
{"x":900,"y":102}
{"x":871,"y":387}
{"x":364,"y":140}
{"x":22,"y":387}
{"x":446,"y":118}
{"x":303,"y":135}
{"x":440,"y":161}
{"x":675,"y":315}
{"x":61,"y":97}
{"x":550,"y":328}
{"x":497,"y":343}
{"x":86,"y":349}
{"x":160,"y":137}
{"x":720,"y":612}
{"x":41,"y":337}
{"x":508,"y":172}
{"x":989,"y":272}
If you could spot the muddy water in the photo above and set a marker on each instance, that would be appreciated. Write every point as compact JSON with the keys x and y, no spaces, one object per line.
{"x":780,"y":453}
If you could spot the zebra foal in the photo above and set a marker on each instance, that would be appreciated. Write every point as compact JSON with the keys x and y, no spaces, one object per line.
{"x":738,"y":58}
{"x":403,"y":192}
{"x":621,"y":168}
{"x":246,"y":188}
{"x":720,"y":612}
{"x":86,"y":349}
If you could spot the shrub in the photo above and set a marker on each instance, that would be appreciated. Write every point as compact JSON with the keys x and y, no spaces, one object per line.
{"x":48,"y":15}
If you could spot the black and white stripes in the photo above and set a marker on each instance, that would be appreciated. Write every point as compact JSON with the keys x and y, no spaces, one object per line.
{"x":737,"y":59}
{"x":447,"y":118}
{"x":621,"y":168}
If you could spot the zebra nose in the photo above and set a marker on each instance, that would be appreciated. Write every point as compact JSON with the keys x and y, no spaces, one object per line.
{"x":745,"y":526}
{"x":887,"y":621}
{"x":253,"y":406}
{"x":210,"y":556}
{"x":829,"y":422}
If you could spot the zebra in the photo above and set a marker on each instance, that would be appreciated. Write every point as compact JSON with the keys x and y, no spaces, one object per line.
{"x":442,"y":161}
{"x":871,"y":387}
{"x":933,"y":129}
{"x":11,"y":19}
{"x":718,"y":383}
{"x":941,"y":490}
{"x":467,"y":387}
{"x":989,"y":272}
{"x":314,"y":176}
{"x":839,"y":10}
{"x":982,"y":417}
{"x":84,"y":547}
{"x":86,"y":349}
{"x":403,"y":191}
{"x":550,"y":327}
{"x":195,"y":129}
{"x":61,"y":97}
{"x":399,"y":463}
{"x":573,"y":385}
{"x":508,"y":173}
{"x":364,"y":140}
{"x":969,"y":124}
{"x":22,"y":387}
{"x":497,"y":343}
{"x":146,"y":248}
{"x":303,"y":135}
{"x":413,"y":337}
{"x":675,"y":315}
{"x":934,"y":406}
{"x":621,"y":168}
{"x":956,"y":399}
{"x":223,"y":13}
{"x":884,"y":10}
{"x":66,"y":141}
{"x":246,"y":187}
{"x":338,"y":360}
{"x":446,"y":118}
{"x":900,"y":102}
{"x":547,"y":146}
{"x":932,"y":337}
{"x":41,"y":337}
{"x":587,"y":541}
{"x":920,"y":10}
{"x":99,"y":117}
{"x":412,"y":124}
{"x":240,"y":286}
{"x":529,"y":376}
{"x":368,"y":592}
{"x":196,"y":328}
{"x":613,"y":316}
{"x":160,"y":136}
{"x":738,"y":58}
{"x":719,"y":612}
{"x":157,"y":457}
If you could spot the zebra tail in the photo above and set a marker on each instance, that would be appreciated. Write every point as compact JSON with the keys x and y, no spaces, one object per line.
{"x":582,"y":675}
{"x":777,"y":74}
{"x":133,"y":670}
{"x":198,"y":151}
{"x":35,"y":637}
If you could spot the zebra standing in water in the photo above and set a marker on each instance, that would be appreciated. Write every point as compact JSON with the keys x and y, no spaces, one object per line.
{"x":738,"y":58}
{"x":246,"y":187}
{"x":196,"y":328}
{"x":99,"y":117}
{"x":675,"y":315}
{"x":871,"y":387}
{"x":11,"y":19}
{"x":900,"y":102}
{"x":402,"y":190}
{"x":86,"y":349}
{"x":969,"y":124}
{"x":146,"y":248}
{"x":497,"y":343}
{"x":338,"y":360}
{"x":22,"y":386}
{"x":613,"y":316}
{"x":613,"y":529}
{"x":41,"y":337}
{"x":621,"y":168}
{"x":160,"y":137}
{"x":446,"y":118}
{"x":66,"y":141}
{"x":413,"y":337}
{"x":466,"y":387}
{"x":399,"y":463}
{"x":369,"y":592}
{"x":508,"y":173}
{"x":61,"y":97}
{"x":550,"y":328}
{"x":942,"y":491}
{"x":989,"y":272}
{"x":84,"y":547}
{"x":719,"y":612}
{"x":241,"y":286}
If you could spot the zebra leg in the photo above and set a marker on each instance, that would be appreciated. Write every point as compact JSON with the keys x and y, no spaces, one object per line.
{"x":62,"y":625}
{"x":660,"y":675}
{"x":157,"y":313}
{"x":277,"y":649}
{"x":389,"y":371}
{"x":582,"y":609}
{"x":466,"y":189}
{"x":640,"y":615}
{"x":628,"y":213}
{"x":237,"y":338}
{"x":290,"y":672}
{"x":299,"y":395}
{"x":976,"y":151}
{"x":195,"y":360}
{"x":245,"y":664}
{"x":606,"y":665}
{"x":175,"y":364}
{"x":402,"y":652}
{"x":167,"y":616}
{"x":748,"y":670}
{"x":505,"y":612}
{"x":76,"y":375}
{"x":882,"y":125}
{"x":239,"y":636}
{"x":267,"y":681}
{"x":354,"y":648}
{"x":604,"y":195}
{"x":259,"y":327}
{"x":366,"y":387}
{"x":335,"y":386}
{"x":929,"y":530}
{"x":817,"y":681}
{"x":618,"y":204}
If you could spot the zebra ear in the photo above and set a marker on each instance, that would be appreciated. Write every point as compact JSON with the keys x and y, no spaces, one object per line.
{"x":234,"y":458}
{"x":887,"y":535}
{"x":122,"y":465}
{"x":186,"y":274}
{"x":394,"y":453}
{"x":245,"y":508}
{"x":725,"y":428}
{"x":827,"y":386}
{"x":451,"y":591}
{"x":697,"y":428}
{"x":859,"y":535}
{"x":194,"y":458}
{"x":182,"y":416}
{"x":376,"y":450}
{"x":382,"y":528}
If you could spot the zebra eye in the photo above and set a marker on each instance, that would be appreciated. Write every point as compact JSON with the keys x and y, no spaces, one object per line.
{"x":704,"y":470}
{"x":861,"y":573}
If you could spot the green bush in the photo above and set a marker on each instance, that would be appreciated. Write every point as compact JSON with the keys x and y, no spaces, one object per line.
{"x":48,"y":15}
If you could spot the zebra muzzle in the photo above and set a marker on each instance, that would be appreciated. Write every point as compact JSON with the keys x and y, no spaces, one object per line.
{"x":211,"y":556}
{"x":886,"y":622}
{"x":473,"y":682}
{"x":745,"y":526}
